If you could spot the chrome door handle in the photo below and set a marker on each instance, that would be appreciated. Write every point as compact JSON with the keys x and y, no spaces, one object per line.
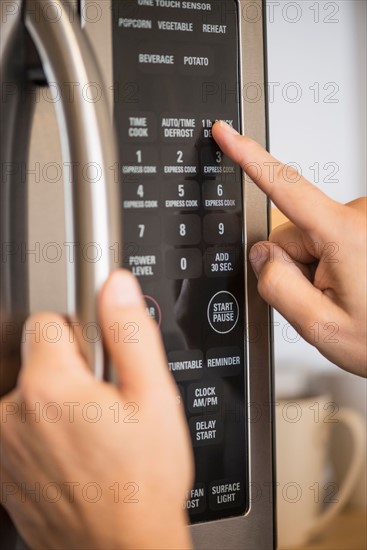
{"x":88,"y":142}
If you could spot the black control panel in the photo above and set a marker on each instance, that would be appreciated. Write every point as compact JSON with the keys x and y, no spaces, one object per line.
{"x":176,"y":70}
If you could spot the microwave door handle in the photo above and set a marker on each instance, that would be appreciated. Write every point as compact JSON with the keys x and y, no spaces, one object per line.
{"x":16,"y":113}
{"x":89,"y":146}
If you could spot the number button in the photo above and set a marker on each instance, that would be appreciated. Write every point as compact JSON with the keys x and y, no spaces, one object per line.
{"x":214,"y":163}
{"x":142,"y":229}
{"x":138,"y":195}
{"x":182,"y":195}
{"x":183,"y":229}
{"x":139,"y":161}
{"x":222,"y":228}
{"x":221,"y":195}
{"x":180,"y":160}
{"x":184,"y":264}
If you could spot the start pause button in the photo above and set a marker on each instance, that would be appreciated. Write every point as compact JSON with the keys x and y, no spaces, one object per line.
{"x":223,"y":312}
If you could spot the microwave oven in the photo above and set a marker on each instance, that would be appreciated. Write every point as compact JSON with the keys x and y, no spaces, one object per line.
{"x":107,"y":107}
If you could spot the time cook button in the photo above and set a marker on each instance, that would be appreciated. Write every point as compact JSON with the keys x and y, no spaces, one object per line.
{"x":223,"y":312}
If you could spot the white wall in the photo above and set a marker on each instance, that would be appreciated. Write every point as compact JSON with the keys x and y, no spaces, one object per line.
{"x":325,"y":51}
{"x":311,"y":129}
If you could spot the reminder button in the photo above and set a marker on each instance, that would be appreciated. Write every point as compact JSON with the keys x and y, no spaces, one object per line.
{"x":224,"y":361}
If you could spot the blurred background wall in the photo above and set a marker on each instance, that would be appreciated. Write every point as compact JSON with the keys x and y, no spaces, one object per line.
{"x":317,"y":106}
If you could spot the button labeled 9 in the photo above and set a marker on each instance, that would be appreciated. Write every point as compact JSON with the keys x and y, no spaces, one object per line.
{"x":222,"y":228}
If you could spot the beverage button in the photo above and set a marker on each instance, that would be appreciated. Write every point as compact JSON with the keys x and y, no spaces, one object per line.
{"x":226,"y":493}
{"x":184,"y":263}
{"x":156,"y":60}
{"x":152,"y":309}
{"x":186,"y":364}
{"x":206,"y":430}
{"x":224,"y":361}
{"x":222,"y":229}
{"x":183,"y":229}
{"x":205,"y":397}
{"x":223,"y":312}
{"x":222,"y":261}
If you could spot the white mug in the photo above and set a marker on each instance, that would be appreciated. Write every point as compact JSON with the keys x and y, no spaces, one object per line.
{"x":307,"y":498}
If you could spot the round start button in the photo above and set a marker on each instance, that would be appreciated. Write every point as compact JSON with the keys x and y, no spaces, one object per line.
{"x":223,"y":312}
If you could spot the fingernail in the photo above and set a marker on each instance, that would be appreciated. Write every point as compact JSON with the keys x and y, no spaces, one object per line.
{"x":123,"y":290}
{"x":259,"y":255}
{"x":228,"y":127}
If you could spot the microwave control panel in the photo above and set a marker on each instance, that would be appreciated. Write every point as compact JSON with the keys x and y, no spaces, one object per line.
{"x":176,"y":71}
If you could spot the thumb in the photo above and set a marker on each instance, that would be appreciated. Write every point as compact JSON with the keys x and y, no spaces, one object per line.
{"x":132,"y":338}
{"x":283,"y":284}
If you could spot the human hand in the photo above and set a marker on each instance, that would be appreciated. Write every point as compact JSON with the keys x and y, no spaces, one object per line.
{"x":98,"y":466}
{"x":313,"y":270}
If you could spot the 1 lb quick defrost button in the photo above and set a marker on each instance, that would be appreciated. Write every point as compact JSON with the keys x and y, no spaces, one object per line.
{"x":223,"y":312}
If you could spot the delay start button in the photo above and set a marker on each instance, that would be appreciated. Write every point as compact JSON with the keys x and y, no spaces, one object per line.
{"x":223,"y":312}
